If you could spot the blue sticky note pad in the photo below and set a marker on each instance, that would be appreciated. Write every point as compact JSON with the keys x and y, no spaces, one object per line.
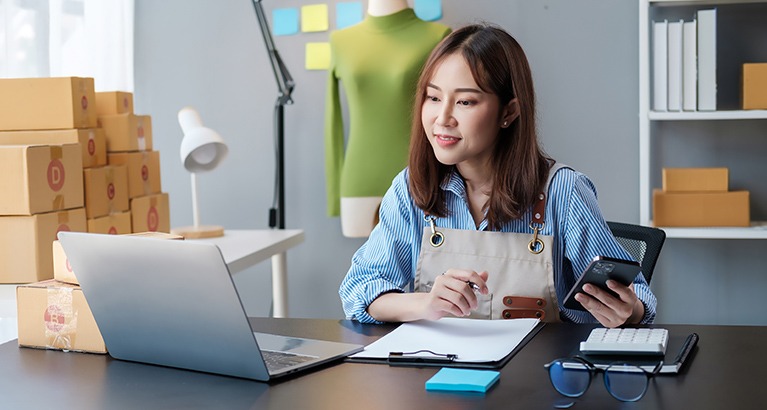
{"x":452,"y":379}
{"x":348,"y":14}
{"x":284,"y":22}
{"x":428,"y":10}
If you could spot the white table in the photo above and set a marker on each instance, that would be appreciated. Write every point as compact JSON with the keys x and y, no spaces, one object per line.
{"x":244,"y":248}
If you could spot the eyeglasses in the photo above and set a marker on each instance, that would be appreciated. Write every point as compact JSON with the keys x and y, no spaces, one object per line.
{"x":626,"y":382}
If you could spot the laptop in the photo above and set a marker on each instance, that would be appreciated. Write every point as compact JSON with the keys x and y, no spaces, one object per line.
{"x":173,"y":303}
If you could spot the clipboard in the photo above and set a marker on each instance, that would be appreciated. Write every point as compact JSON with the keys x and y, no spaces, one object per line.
{"x":445,"y":343}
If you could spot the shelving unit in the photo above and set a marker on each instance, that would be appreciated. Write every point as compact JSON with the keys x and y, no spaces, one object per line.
{"x":653,"y":126}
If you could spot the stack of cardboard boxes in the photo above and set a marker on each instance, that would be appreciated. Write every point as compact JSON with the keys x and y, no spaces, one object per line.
{"x":699,"y":197}
{"x":41,"y":171}
{"x":70,"y":159}
{"x":129,"y":144}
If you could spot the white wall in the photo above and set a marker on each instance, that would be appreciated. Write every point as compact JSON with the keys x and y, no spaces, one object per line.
{"x":209,"y":54}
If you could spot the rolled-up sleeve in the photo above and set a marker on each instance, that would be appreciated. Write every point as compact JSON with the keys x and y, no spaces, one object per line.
{"x":384,"y":263}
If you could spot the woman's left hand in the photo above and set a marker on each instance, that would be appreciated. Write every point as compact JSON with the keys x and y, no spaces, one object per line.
{"x":609,"y":310}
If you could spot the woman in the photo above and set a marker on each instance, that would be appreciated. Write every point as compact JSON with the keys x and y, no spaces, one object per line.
{"x":482,"y":223}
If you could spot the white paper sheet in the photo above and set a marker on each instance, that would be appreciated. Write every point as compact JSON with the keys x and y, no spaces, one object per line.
{"x":473,"y":340}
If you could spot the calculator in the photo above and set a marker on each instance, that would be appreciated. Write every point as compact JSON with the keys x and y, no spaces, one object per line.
{"x":626,"y":341}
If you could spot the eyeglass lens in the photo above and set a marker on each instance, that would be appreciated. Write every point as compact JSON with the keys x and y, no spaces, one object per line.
{"x":571,"y":378}
{"x":626,"y":382}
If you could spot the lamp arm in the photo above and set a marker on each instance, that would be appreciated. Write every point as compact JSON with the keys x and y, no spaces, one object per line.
{"x":282,"y":76}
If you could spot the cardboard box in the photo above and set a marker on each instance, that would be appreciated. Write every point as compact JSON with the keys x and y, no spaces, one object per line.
{"x":698,"y":209}
{"x":26,"y":253}
{"x":118,"y":223}
{"x":143,"y":171}
{"x":127,"y":132}
{"x":47,"y":103}
{"x":62,"y":270}
{"x":92,"y":142}
{"x":695,"y":179}
{"x":55,"y":315}
{"x":114,"y":102}
{"x":40,"y":178}
{"x":755,"y":86}
{"x":106,"y":190}
{"x":151,"y":213}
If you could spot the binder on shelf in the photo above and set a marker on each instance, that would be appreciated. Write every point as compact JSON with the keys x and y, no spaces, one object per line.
{"x":706,"y":60}
{"x":660,"y":65}
{"x":675,"y":65}
{"x":689,"y":66}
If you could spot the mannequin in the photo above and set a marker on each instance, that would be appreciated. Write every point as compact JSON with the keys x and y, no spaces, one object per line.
{"x":378,"y":62}
{"x":378,"y":8}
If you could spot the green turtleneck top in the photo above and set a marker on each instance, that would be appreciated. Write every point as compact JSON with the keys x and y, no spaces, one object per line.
{"x":378,"y":62}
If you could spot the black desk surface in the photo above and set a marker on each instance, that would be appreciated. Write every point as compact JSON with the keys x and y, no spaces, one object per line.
{"x":728,"y":371}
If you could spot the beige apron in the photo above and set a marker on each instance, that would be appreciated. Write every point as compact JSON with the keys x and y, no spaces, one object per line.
{"x":519,"y":265}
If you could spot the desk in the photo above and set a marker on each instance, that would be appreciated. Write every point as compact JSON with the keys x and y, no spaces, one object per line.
{"x":240,"y":249}
{"x":244,"y":248}
{"x":728,"y":371}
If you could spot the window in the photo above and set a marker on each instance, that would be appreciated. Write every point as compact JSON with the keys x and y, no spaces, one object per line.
{"x":60,"y":38}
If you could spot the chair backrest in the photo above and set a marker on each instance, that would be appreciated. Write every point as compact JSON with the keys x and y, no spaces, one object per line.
{"x":642,"y":242}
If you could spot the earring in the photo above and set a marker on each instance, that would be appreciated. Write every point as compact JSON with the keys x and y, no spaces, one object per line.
{"x":505,"y":123}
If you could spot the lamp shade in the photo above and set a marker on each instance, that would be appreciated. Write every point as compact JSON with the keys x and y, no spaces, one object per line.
{"x":202,"y":148}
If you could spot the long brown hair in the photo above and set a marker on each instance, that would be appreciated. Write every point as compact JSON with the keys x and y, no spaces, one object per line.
{"x":499,"y":66}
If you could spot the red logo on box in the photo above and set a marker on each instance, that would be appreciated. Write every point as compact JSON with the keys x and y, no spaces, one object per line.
{"x":91,"y":147}
{"x":144,"y":172}
{"x":56,"y":175}
{"x":152,"y":219}
{"x":125,"y":102}
{"x":69,"y":267}
{"x":141,"y":131}
{"x":112,"y":230}
{"x":84,"y":102}
{"x":111,"y":191}
{"x":54,"y":318}
{"x":63,"y":228}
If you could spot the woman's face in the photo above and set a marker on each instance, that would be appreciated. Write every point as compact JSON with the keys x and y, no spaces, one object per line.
{"x":460,"y":120}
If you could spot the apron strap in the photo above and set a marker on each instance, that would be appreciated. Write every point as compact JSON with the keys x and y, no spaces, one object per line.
{"x":539,"y":207}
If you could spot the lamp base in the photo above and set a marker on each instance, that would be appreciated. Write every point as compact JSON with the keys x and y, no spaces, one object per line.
{"x":197,"y":232}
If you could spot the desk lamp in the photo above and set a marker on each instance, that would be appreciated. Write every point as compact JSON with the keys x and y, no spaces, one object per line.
{"x":202,"y":149}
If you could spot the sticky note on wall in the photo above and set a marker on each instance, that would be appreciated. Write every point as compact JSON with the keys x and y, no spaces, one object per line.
{"x":284,"y":22}
{"x":428,"y":10}
{"x":348,"y":14}
{"x":317,"y":56}
{"x":314,"y":18}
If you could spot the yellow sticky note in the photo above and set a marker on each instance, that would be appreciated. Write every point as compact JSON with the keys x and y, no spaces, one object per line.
{"x":317,"y":56}
{"x":314,"y":18}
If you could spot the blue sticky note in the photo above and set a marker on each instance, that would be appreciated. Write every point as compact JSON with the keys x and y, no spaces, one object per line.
{"x":284,"y":22}
{"x":348,"y":14}
{"x":452,"y":379}
{"x":428,"y":10}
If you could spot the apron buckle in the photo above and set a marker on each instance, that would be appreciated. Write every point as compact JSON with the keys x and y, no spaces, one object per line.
{"x":437,"y":238}
{"x":536,"y":244}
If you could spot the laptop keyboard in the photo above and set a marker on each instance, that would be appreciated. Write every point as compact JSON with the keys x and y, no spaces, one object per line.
{"x":279,"y":360}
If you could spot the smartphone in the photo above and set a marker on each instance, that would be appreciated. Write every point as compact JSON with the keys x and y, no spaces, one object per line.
{"x":598,"y":272}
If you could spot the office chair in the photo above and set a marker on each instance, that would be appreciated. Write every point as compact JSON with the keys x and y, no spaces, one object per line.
{"x":642,"y":242}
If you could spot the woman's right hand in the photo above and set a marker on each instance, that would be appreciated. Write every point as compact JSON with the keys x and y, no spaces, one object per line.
{"x":452,"y":294}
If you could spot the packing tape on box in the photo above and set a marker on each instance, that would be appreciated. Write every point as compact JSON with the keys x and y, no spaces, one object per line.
{"x":56,"y":154}
{"x":63,"y":218}
{"x":60,"y":319}
{"x":145,"y":164}
{"x":110,"y":180}
{"x":140,"y":134}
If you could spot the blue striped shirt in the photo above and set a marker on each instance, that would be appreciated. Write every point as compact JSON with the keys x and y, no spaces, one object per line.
{"x":387,"y":260}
